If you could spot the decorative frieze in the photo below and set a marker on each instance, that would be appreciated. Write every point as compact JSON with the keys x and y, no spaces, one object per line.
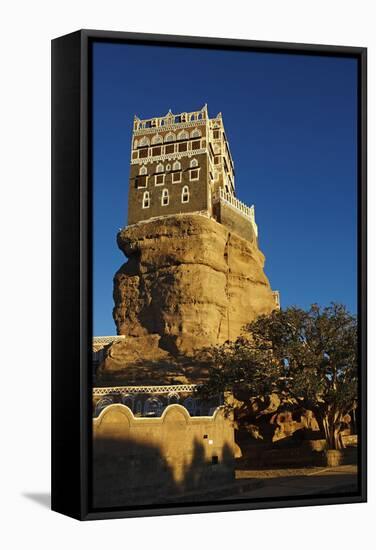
{"x":172,"y":156}
{"x":170,"y":127}
{"x":179,"y":388}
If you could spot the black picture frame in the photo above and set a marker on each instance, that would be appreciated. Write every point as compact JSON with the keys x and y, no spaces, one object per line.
{"x":72,"y":277}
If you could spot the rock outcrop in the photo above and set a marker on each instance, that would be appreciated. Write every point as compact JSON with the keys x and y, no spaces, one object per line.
{"x":188,"y":283}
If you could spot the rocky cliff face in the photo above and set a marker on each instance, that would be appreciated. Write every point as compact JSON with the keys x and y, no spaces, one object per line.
{"x":189,"y":283}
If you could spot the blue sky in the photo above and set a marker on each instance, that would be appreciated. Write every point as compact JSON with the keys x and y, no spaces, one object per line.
{"x":291,"y":122}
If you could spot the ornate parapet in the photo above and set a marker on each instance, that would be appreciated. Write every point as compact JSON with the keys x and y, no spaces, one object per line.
{"x":170,"y":120}
{"x":240,"y":207}
{"x":150,"y":401}
{"x":235,"y":215}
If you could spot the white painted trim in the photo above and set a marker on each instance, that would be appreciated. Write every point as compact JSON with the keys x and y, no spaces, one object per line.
{"x":185,"y":192}
{"x":176,"y":174}
{"x":158,"y":176}
{"x":146,"y":197}
{"x":191,"y":170}
{"x":170,"y":156}
{"x":165,"y":195}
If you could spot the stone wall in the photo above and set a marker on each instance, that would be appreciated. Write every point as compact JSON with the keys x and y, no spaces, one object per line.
{"x":152,"y":460}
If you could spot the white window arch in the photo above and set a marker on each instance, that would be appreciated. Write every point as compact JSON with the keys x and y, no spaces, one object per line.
{"x":135,"y":144}
{"x":183,"y":135}
{"x":185,"y":194}
{"x":128,"y":401}
{"x":160,"y":168}
{"x":144,"y":142}
{"x":169,"y":137}
{"x":156,"y":139}
{"x":173,"y":397}
{"x":176,"y":165}
{"x":102,"y":404}
{"x":196,"y":133}
{"x":146,"y":199}
{"x":143,"y":171}
{"x":165,"y":197}
{"x":193,"y":163}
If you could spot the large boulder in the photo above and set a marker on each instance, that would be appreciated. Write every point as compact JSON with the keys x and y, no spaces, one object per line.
{"x":189,"y":283}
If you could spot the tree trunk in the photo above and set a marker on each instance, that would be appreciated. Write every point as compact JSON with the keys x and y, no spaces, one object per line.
{"x":331,"y":426}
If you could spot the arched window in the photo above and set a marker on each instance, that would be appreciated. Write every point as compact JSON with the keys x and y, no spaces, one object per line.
{"x":185,"y":194}
{"x":193,"y":163}
{"x":143,"y":171}
{"x":196,"y":133}
{"x":135,"y":144}
{"x":156,"y":139}
{"x":102,"y":404}
{"x":146,"y":199}
{"x":160,"y":168}
{"x":128,"y":401}
{"x":165,"y":197}
{"x":169,"y":137}
{"x":183,"y":135}
{"x":153,"y":407}
{"x":144,"y":142}
{"x":176,"y":165}
{"x":173,"y":397}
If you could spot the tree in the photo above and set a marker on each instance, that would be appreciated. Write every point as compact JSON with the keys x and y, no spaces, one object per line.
{"x":308,"y":357}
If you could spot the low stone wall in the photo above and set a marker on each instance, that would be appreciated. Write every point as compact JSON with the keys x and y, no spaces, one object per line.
{"x":154,"y":460}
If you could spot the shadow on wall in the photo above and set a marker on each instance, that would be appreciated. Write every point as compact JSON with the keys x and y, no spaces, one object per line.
{"x":140,"y":461}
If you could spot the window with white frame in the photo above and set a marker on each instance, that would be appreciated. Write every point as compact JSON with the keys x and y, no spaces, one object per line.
{"x":176,"y":177}
{"x":146,"y":199}
{"x":142,"y":178}
{"x":185,"y":194}
{"x":176,"y":174}
{"x":165,"y":197}
{"x":160,"y":176}
{"x":196,"y":133}
{"x":169,"y":137}
{"x":183,"y":135}
{"x":194,"y":175}
{"x":156,"y":139}
{"x":144,"y":142}
{"x":194,"y":170}
{"x":159,"y":179}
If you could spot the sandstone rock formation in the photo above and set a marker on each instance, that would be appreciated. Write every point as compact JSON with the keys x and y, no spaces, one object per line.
{"x":189,"y":283}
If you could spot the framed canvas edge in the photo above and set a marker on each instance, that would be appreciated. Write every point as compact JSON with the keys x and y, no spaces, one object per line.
{"x":88,"y":36}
